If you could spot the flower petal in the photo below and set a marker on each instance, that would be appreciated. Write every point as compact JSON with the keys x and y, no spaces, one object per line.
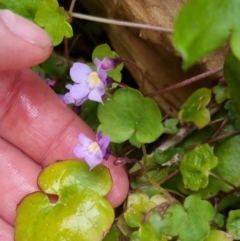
{"x":68,"y":99}
{"x":97,"y":63}
{"x":102,"y":75}
{"x":96,"y":95}
{"x":94,"y":160}
{"x":84,"y":140}
{"x":80,"y":151}
{"x":79,"y":91}
{"x":79,"y":72}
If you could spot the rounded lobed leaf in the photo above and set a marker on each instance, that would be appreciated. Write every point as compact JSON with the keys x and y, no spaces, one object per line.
{"x":128,"y":113}
{"x":215,"y":20}
{"x":195,"y":215}
{"x":195,"y":166}
{"x":194,"y":109}
{"x":233,"y":224}
{"x":79,"y":213}
{"x":217,"y":235}
{"x":54,"y":20}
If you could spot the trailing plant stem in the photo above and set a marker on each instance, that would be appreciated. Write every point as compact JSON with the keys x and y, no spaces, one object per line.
{"x":223,"y":180}
{"x":185,"y":82}
{"x":121,"y":23}
{"x":158,"y":187}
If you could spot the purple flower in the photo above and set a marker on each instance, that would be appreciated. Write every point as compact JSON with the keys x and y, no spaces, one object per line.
{"x":88,"y":84}
{"x":92,"y":151}
{"x":107,"y":63}
{"x":50,"y":82}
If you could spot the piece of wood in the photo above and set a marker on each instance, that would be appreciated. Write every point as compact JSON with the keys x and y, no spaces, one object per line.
{"x":152,"y":51}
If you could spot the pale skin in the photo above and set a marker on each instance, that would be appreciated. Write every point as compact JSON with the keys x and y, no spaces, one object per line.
{"x":36,"y":127}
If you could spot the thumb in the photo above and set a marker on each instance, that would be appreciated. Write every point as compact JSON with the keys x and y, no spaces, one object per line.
{"x":23,"y":44}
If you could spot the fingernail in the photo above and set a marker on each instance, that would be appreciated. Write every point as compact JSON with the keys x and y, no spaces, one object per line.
{"x":25,"y":29}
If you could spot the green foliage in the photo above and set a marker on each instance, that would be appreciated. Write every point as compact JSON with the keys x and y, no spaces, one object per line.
{"x":194,"y":109}
{"x":128,"y":113}
{"x":50,"y":69}
{"x":195,"y":215}
{"x":54,"y":20}
{"x":25,"y":8}
{"x":45,"y":13}
{"x":137,"y":205}
{"x":202,"y":26}
{"x":217,"y":235}
{"x":232,"y":76}
{"x":221,"y":93}
{"x":102,"y":51}
{"x":89,"y":114}
{"x":233,"y":224}
{"x":170,"y":126}
{"x":112,"y":235}
{"x":195,"y":166}
{"x":162,"y":157}
{"x":80,"y":213}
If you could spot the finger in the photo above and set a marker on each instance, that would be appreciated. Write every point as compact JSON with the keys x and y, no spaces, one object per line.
{"x":6,"y":231}
{"x":37,"y":122}
{"x":18,"y":178}
{"x":23,"y":44}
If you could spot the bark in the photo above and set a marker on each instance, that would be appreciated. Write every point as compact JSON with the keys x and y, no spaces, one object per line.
{"x":152,"y":51}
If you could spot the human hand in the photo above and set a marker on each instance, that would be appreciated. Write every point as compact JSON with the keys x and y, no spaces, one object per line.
{"x":36,"y":127}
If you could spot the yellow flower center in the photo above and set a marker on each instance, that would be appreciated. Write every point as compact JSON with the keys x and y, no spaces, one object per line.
{"x":93,"y":80}
{"x":94,"y":147}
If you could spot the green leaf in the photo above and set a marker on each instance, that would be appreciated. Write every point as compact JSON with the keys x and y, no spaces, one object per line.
{"x":128,"y":113}
{"x":202,"y":26}
{"x":54,"y":20}
{"x":191,"y":222}
{"x":233,"y":224}
{"x":195,"y":166}
{"x":102,"y":51}
{"x":25,"y":8}
{"x":217,"y":235}
{"x":112,"y":235}
{"x":162,"y":157}
{"x":89,"y":113}
{"x":221,"y":93}
{"x":80,"y":213}
{"x":170,"y":126}
{"x":232,"y":76}
{"x":194,"y":109}
{"x":146,"y":232}
{"x":137,"y":204}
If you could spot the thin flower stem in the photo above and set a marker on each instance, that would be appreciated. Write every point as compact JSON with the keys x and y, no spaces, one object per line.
{"x":233,"y":133}
{"x":224,"y":122}
{"x":185,"y":82}
{"x":121,"y":23}
{"x":71,"y":7}
{"x":158,"y":187}
{"x":223,"y":180}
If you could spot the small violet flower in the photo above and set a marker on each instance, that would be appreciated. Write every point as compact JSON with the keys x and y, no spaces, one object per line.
{"x":92,"y":151}
{"x":88,"y":84}
{"x":107,"y":63}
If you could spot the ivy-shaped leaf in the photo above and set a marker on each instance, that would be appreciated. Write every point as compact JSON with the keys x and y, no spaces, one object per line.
{"x":194,"y":109}
{"x":191,"y":221}
{"x":221,"y":93}
{"x":25,"y":8}
{"x":137,"y":205}
{"x":202,"y":26}
{"x":54,"y":20}
{"x":217,"y":235}
{"x":170,"y":126}
{"x":102,"y":51}
{"x":128,"y":113}
{"x":233,"y":224}
{"x":196,"y":165}
{"x":232,"y":76}
{"x":80,"y":213}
